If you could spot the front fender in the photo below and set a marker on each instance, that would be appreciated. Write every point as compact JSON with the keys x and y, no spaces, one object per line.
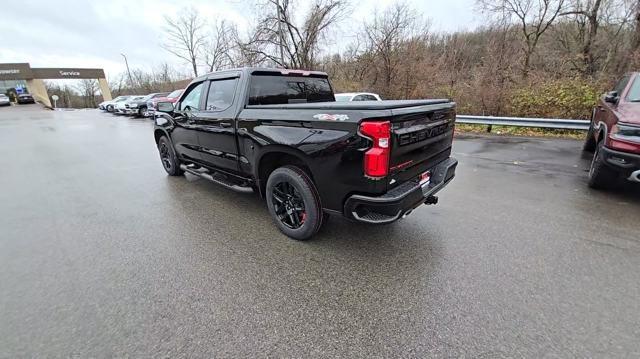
{"x":164,"y":125}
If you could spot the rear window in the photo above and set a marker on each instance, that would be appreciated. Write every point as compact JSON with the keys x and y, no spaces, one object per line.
{"x":270,"y":89}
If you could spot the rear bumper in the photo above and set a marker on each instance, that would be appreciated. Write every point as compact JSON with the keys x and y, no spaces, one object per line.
{"x":401,"y":200}
{"x":624,"y":162}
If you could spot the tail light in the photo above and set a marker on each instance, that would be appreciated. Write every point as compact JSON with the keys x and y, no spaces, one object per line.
{"x":376,"y":159}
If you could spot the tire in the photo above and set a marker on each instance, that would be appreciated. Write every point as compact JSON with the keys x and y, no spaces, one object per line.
{"x":601,"y":176}
{"x":141,"y":111}
{"x":590,"y":141}
{"x":168,"y":157}
{"x":294,"y":203}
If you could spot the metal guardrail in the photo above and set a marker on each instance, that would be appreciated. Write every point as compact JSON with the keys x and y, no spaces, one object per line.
{"x":582,"y":125}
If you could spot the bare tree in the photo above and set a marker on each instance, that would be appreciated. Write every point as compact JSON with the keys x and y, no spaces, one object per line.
{"x":635,"y":5}
{"x":534,"y":17}
{"x":300,"y":41}
{"x":388,"y":34}
{"x":88,"y":89}
{"x":587,"y":16}
{"x":186,"y":37}
{"x":218,"y":52}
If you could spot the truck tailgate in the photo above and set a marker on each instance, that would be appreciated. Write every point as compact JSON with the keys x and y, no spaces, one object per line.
{"x":421,"y":137}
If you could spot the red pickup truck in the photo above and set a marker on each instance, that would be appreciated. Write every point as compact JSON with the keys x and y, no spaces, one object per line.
{"x":614,"y":135}
{"x":152,"y":104}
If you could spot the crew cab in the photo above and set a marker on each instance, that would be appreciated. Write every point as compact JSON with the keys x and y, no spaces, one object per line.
{"x":281,"y":133}
{"x":614,"y":135}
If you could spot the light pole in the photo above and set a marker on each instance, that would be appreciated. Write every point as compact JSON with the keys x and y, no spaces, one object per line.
{"x":128,"y":71}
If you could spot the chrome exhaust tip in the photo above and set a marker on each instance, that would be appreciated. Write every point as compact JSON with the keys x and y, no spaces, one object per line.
{"x":635,"y":176}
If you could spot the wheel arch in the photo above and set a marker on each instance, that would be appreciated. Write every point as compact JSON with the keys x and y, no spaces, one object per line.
{"x":276,"y":156}
{"x":601,"y":131}
{"x":157,"y":133}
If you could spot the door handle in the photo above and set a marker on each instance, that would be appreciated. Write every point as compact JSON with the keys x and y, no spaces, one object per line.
{"x":225,"y":124}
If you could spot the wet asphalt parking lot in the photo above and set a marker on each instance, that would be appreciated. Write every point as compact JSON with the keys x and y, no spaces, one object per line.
{"x":103,"y":255}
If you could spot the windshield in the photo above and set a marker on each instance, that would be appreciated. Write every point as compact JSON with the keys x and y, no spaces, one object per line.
{"x":634,"y":92}
{"x":343,"y":98}
{"x":175,"y":94}
{"x":122,"y":98}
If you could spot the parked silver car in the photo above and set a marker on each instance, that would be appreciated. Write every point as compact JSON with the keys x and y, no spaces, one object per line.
{"x":4,"y":100}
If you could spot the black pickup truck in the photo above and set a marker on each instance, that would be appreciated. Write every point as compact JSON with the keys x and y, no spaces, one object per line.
{"x":280,"y":133}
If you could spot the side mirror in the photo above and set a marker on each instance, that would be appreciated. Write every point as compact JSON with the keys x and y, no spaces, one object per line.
{"x":166,"y":107}
{"x":611,"y":97}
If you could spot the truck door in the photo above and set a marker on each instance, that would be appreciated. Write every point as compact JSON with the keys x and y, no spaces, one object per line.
{"x":185,"y":134}
{"x":217,"y":124}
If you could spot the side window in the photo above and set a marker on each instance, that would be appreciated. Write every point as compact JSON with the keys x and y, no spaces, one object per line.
{"x":620,"y":86}
{"x":191,"y":101}
{"x":633,"y":95}
{"x":370,"y":98}
{"x":221,"y":94}
{"x":358,"y":98}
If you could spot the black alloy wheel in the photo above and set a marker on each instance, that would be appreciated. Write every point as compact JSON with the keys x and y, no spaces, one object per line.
{"x":165,"y":156}
{"x":288,"y":205}
{"x":293,"y":202}
{"x":168,"y":157}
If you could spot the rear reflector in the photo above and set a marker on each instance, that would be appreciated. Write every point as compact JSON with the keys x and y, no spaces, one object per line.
{"x":425,"y":177}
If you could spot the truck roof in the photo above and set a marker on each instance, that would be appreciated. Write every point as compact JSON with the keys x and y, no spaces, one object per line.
{"x":250,"y":70}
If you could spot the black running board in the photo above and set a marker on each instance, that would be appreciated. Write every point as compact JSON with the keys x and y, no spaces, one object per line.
{"x":204,"y":173}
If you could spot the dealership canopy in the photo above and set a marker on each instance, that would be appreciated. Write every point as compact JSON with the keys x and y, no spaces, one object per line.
{"x":34,"y":77}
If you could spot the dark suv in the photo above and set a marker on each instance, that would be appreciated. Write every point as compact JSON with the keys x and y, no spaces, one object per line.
{"x":614,"y":135}
{"x":25,"y":98}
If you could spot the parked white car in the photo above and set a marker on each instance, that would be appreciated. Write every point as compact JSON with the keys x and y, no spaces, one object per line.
{"x":122,"y":107}
{"x":4,"y":100}
{"x":109,"y":106}
{"x":357,"y":96}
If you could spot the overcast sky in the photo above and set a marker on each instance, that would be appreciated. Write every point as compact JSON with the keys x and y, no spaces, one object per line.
{"x":82,"y":33}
